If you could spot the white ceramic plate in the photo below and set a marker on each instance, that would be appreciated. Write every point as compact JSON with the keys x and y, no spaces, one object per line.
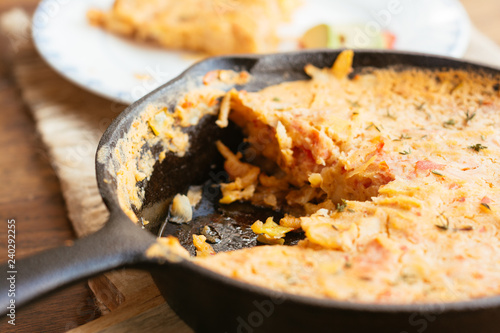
{"x":124,"y":70}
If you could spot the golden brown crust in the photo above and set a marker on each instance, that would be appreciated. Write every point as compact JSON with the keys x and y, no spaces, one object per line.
{"x":210,"y":26}
{"x":398,"y":174}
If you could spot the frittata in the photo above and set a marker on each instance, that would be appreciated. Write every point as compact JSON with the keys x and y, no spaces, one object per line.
{"x":393,"y":174}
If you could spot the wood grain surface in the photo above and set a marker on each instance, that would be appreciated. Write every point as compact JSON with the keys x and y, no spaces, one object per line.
{"x":30,"y":192}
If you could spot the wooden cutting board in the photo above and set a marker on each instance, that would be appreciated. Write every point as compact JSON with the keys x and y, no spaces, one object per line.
{"x":131,"y":302}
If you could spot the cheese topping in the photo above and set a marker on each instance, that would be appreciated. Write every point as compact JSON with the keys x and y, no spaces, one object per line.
{"x":396,"y":173}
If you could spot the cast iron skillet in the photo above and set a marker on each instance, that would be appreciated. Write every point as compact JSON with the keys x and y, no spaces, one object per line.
{"x":203,"y":299}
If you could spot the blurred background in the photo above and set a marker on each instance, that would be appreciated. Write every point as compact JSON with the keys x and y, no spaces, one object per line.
{"x":484,"y":15}
{"x":31,"y":191}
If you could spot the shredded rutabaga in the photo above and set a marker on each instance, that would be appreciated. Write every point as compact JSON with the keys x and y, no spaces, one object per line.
{"x":392,"y":174}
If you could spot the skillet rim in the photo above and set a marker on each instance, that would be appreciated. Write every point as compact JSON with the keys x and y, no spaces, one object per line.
{"x":108,"y":193}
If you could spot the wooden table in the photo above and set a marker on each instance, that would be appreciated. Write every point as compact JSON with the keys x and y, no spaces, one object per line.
{"x":30,"y":191}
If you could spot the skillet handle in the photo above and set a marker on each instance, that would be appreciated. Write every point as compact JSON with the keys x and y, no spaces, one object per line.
{"x":120,"y":242}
